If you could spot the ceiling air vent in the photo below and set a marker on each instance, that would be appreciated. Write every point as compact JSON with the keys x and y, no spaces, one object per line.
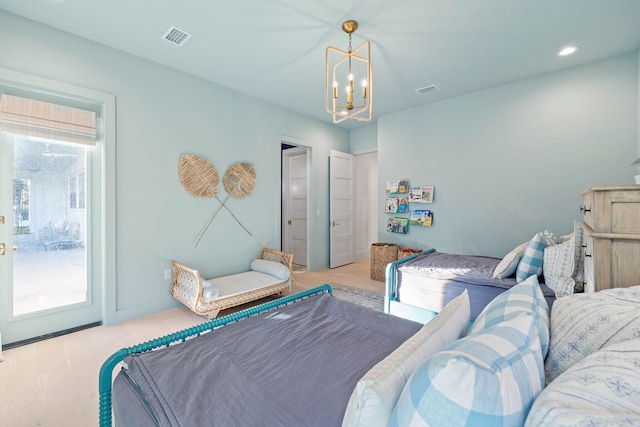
{"x":426,"y":89}
{"x":176,"y":36}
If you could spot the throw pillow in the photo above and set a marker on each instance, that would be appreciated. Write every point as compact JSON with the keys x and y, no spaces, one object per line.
{"x":559,"y":267}
{"x":531,"y":261}
{"x":578,"y":273}
{"x":600,"y":390}
{"x":509,"y":263}
{"x":583,"y":323}
{"x":486,"y":379}
{"x":209,"y":292}
{"x":375,"y":395}
{"x":273,"y":268}
{"x":523,"y":298}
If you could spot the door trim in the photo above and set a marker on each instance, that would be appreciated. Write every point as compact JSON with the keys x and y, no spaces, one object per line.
{"x":283,"y":139}
{"x":286,"y":196}
{"x":102,"y":261}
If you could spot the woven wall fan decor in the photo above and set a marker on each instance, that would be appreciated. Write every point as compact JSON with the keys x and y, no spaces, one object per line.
{"x":240,"y":180}
{"x":200,"y":178}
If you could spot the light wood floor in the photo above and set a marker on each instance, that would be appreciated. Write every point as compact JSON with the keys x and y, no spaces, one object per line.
{"x":55,"y":382}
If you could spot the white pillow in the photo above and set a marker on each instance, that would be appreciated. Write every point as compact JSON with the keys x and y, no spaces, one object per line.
{"x":209,"y":292}
{"x":559,"y":266}
{"x":273,"y":268}
{"x":583,"y":323}
{"x":509,"y":263}
{"x":578,"y":271}
{"x":375,"y":395}
{"x":600,"y":390}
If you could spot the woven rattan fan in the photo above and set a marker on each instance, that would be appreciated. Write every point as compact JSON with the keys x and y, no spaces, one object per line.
{"x":240,"y":180}
{"x":200,"y":178}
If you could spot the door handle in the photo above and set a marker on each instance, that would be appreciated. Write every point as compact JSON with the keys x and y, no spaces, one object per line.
{"x":289,"y":222}
{"x":333,"y":223}
{"x":3,"y":249}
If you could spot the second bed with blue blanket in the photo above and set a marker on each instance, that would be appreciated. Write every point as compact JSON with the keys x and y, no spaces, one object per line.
{"x":425,"y":283}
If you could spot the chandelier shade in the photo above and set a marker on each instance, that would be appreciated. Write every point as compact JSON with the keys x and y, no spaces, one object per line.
{"x":348,"y":80}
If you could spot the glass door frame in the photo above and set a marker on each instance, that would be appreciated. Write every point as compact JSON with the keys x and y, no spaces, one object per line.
{"x":100,"y":178}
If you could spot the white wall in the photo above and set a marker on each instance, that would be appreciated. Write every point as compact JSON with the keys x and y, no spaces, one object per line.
{"x":161,"y":114}
{"x":510,"y":161}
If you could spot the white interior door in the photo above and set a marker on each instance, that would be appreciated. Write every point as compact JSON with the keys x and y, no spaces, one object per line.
{"x":295,"y":190}
{"x":341,"y":203}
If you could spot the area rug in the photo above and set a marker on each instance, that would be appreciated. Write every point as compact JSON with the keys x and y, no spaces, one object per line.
{"x":358,"y":296}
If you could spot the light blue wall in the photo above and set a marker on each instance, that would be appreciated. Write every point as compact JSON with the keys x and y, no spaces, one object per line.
{"x":510,"y":161}
{"x":364,"y":139}
{"x":162,"y":113}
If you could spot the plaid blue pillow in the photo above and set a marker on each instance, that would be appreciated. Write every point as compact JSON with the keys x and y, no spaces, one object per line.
{"x":523,"y":298}
{"x":487,"y":379}
{"x":533,"y":257}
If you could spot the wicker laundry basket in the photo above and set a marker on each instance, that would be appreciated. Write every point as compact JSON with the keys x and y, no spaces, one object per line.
{"x":381,"y":255}
{"x":407,"y":252}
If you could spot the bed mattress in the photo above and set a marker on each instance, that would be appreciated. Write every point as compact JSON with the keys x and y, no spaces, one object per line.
{"x":296,"y":365}
{"x":433,"y":279}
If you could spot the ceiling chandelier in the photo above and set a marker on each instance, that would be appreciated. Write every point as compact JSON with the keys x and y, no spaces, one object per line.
{"x":342,"y":100}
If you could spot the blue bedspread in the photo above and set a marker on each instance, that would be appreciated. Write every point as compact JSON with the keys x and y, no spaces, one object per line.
{"x":294,"y":366}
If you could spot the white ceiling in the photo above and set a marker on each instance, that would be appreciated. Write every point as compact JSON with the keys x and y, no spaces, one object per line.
{"x":274,"y":49}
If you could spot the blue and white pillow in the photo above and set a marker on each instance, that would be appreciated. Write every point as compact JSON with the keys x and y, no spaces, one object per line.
{"x":603,"y":389}
{"x":533,"y":257}
{"x":487,"y":379}
{"x":377,"y":392}
{"x":523,"y":298}
{"x":584,"y":323}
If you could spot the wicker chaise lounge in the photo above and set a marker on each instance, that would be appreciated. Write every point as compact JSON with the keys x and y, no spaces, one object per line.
{"x":271,"y":274}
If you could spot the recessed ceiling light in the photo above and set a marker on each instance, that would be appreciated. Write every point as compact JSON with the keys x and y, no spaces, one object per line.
{"x":567,"y":51}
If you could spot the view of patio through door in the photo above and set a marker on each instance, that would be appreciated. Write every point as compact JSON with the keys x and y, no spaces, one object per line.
{"x":49,"y":265}
{"x":50,"y":210}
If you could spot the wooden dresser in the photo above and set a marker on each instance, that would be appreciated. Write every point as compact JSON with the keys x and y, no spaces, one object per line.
{"x":611,"y":224}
